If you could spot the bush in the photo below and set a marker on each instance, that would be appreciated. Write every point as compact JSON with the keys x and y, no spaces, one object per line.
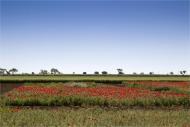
{"x":108,"y":81}
{"x":161,"y":89}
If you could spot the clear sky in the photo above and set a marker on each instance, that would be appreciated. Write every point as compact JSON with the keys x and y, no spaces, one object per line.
{"x":76,"y":36}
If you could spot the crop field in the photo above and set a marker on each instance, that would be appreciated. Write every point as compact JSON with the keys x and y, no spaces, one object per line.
{"x":98,"y":94}
{"x":93,"y":117}
{"x":95,"y":101}
{"x":109,"y":77}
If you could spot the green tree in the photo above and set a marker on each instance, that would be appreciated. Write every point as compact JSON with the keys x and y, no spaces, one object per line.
{"x":120,"y":71}
{"x":183,"y":72}
{"x":96,"y":72}
{"x":43,"y":72}
{"x":13,"y":70}
{"x":104,"y":72}
{"x":151,"y":73}
{"x":171,"y":73}
{"x":84,"y":73}
{"x":2,"y":71}
{"x":54,"y":71}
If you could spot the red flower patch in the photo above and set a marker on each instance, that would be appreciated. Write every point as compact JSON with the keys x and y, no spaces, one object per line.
{"x":107,"y":92}
{"x":38,"y":89}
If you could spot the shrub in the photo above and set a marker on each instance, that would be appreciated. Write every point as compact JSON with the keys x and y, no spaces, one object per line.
{"x":84,"y":73}
{"x":96,"y":72}
{"x":161,"y":89}
{"x":104,"y":72}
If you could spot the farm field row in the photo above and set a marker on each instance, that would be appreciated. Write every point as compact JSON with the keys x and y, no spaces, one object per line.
{"x":94,"y":94}
{"x":50,"y":78}
{"x":91,"y":117}
{"x":132,"y":103}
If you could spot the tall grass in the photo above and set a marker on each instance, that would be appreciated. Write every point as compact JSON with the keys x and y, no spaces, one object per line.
{"x":93,"y":117}
{"x":97,"y":78}
{"x":156,"y":88}
{"x":98,"y":101}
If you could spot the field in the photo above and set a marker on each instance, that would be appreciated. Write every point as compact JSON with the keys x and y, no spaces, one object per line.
{"x":110,"y":100}
{"x":62,"y":78}
{"x":91,"y":117}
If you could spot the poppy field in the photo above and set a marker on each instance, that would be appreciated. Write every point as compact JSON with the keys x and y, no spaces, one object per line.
{"x":94,"y":94}
{"x":89,"y":103}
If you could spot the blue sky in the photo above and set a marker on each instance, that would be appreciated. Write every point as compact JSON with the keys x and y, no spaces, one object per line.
{"x":77,"y":36}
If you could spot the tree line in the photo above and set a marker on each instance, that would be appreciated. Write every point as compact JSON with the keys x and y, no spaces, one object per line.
{"x":55,"y":71}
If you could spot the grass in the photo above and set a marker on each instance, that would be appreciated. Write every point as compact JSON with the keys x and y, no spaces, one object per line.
{"x":117,"y":79}
{"x":80,"y":111}
{"x":57,"y":97}
{"x":98,"y":101}
{"x":93,"y":117}
{"x":160,"y":89}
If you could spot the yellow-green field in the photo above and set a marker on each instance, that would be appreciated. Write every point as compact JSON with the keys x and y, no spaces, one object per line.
{"x":93,"y":77}
{"x":93,"y":117}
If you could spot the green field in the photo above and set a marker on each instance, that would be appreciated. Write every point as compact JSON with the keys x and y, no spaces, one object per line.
{"x":34,"y":106}
{"x":94,"y":117}
{"x":59,"y":78}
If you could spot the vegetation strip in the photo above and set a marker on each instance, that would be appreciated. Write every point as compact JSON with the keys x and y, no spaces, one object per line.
{"x":89,"y":94}
{"x":88,"y":78}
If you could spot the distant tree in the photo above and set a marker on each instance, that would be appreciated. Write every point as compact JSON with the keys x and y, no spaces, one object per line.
{"x":73,"y":73}
{"x":84,"y":73}
{"x":96,"y":72}
{"x":142,"y":73}
{"x":104,"y":72}
{"x":54,"y":71}
{"x":2,"y":71}
{"x":151,"y":73}
{"x":8,"y":73}
{"x":33,"y":73}
{"x":171,"y":73}
{"x":120,"y":71}
{"x":134,"y":73}
{"x":13,"y":70}
{"x":43,"y":72}
{"x":183,"y":72}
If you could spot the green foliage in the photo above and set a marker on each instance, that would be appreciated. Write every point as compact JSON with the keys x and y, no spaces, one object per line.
{"x":98,"y":101}
{"x":108,"y":81}
{"x":161,"y":89}
{"x":157,"y":88}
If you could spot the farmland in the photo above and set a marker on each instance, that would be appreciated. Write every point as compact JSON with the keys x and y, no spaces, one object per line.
{"x":91,"y":100}
{"x":88,"y":117}
{"x":94,"y":63}
{"x":61,"y":78}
